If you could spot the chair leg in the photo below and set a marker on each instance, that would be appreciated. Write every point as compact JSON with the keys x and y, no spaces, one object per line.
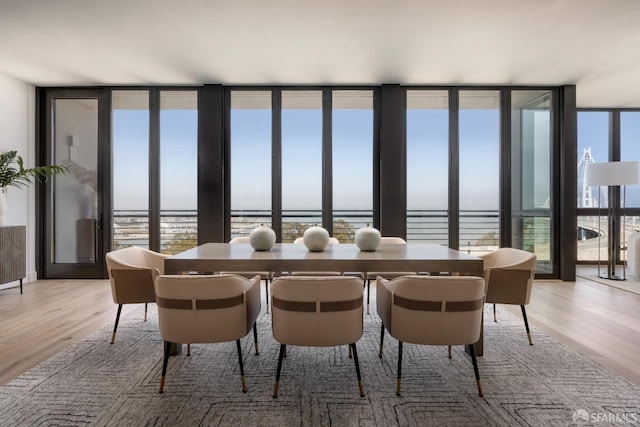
{"x":255,"y":338}
{"x":115,"y":328}
{"x":399,"y":368}
{"x":266,"y":288}
{"x":472,"y":353}
{"x":188,"y":349}
{"x":244,"y":384}
{"x":145,"y":311}
{"x":350,"y":356}
{"x":381,"y":340}
{"x":526,"y":324}
{"x":368,"y":294}
{"x":494,"y":313}
{"x":355,"y":359}
{"x":165,"y":362}
{"x":449,"y":352}
{"x":275,"y":387}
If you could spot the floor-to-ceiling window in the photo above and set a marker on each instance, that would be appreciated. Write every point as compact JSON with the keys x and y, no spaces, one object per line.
{"x":154,"y":146}
{"x":531,"y":174}
{"x":593,"y":147}
{"x":130,"y":148}
{"x":352,"y":165}
{"x":479,"y":171}
{"x":475,"y":165}
{"x":629,"y":151}
{"x":606,"y":135}
{"x":428,"y":166}
{"x":250,"y":160}
{"x":178,"y":176}
{"x":301,"y":161}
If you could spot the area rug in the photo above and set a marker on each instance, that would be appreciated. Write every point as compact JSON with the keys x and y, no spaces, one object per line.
{"x":95,"y":383}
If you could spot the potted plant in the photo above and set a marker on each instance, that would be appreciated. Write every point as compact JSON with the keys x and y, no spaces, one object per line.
{"x":13,"y":173}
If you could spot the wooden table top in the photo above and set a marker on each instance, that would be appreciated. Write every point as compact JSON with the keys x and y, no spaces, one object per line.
{"x":422,"y":257}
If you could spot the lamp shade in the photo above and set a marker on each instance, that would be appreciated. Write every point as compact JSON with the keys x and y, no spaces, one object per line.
{"x":612,"y":173}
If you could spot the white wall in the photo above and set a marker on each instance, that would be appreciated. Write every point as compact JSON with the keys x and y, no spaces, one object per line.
{"x":17,"y":132}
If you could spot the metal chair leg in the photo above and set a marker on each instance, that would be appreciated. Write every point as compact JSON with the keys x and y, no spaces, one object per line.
{"x":368,"y":294}
{"x":145,"y":311}
{"x":115,"y":328}
{"x":350,"y":356}
{"x":244,"y":384}
{"x":266,"y":288}
{"x":449,"y":352}
{"x":165,"y":362}
{"x":472,"y":353}
{"x":188,"y":349}
{"x":399,"y":368}
{"x":275,"y":387}
{"x":381,"y":340}
{"x":494,"y":313}
{"x":255,"y":338}
{"x":355,"y":359}
{"x":526,"y":323}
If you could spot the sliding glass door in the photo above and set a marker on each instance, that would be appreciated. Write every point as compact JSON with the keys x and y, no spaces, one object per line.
{"x":73,"y":203}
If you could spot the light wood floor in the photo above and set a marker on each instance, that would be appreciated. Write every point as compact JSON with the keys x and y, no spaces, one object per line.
{"x":599,"y":321}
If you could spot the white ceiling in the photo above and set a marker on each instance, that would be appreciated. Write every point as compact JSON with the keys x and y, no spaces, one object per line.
{"x":594,"y":44}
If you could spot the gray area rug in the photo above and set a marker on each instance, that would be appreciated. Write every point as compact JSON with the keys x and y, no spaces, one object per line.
{"x":95,"y":383}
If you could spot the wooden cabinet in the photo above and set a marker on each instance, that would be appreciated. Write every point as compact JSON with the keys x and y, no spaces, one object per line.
{"x":13,"y":241}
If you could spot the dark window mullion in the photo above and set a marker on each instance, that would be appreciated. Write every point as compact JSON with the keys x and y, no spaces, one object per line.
{"x":327,"y":161}
{"x":507,"y":162}
{"x":376,"y":157}
{"x":454,"y":168}
{"x":276,"y":162}
{"x":154,"y":169}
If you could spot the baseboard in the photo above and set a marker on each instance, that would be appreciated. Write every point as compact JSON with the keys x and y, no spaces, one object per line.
{"x":32,"y":276}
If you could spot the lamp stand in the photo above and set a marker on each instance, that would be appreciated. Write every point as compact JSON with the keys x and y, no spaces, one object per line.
{"x":611,"y":226}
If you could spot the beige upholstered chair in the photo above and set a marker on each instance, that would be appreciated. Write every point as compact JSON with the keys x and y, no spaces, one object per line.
{"x":508,"y":274}
{"x":372,"y":275}
{"x":267,"y":276}
{"x":432,"y":310}
{"x":318,"y":312}
{"x":207,"y":309}
{"x":300,"y":241}
{"x":132,"y":271}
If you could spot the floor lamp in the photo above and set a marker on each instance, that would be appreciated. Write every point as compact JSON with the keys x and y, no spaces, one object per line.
{"x":607,"y":175}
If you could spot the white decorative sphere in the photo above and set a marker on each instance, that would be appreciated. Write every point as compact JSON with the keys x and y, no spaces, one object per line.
{"x":262,"y":238}
{"x":315,"y":238}
{"x":368,"y":238}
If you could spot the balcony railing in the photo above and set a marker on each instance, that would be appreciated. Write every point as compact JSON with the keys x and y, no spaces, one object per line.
{"x":479,"y":230}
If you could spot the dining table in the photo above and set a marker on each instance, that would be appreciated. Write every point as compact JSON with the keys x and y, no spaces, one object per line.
{"x":426,"y":258}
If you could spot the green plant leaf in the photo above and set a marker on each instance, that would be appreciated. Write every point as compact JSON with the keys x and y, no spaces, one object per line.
{"x":14,"y":174}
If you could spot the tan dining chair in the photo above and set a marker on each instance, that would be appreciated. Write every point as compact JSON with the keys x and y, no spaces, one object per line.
{"x":207,"y":309}
{"x":300,"y":241}
{"x":317,"y":312}
{"x":132,"y":272}
{"x":372,"y":275}
{"x":431,"y":310}
{"x":267,"y":276}
{"x":508,"y":275}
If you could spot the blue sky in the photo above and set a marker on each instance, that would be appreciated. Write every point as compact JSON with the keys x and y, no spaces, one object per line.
{"x":427,"y":160}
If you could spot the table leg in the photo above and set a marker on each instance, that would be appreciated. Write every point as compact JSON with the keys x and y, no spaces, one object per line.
{"x":176,"y":349}
{"x":479,"y":345}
